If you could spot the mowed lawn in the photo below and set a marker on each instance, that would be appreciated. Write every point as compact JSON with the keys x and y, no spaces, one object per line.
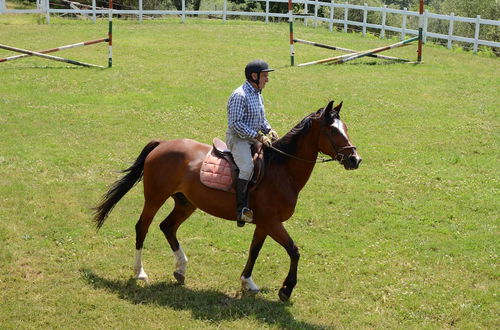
{"x":409,"y":240}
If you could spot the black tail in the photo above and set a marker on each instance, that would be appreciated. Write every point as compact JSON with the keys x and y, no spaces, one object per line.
{"x":122,"y":186}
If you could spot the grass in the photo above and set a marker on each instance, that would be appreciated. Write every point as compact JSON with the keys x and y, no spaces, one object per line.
{"x":410,"y":240}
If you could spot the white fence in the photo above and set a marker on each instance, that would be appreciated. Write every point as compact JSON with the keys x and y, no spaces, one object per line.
{"x":43,"y":7}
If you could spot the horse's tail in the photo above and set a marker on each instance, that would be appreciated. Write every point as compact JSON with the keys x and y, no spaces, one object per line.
{"x":122,"y":186}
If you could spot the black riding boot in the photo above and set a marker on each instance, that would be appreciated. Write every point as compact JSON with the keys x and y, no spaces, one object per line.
{"x":243,"y":213}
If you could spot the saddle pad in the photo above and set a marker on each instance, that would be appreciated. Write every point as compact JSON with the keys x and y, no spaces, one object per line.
{"x":216,"y":173}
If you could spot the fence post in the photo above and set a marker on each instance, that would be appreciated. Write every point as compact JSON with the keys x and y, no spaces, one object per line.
{"x":47,"y":14}
{"x":403,"y":25}
{"x":93,"y":11}
{"x":331,"y":16}
{"x":306,"y":11}
{"x":183,"y":11}
{"x":365,"y":13}
{"x":224,"y":12}
{"x":140,"y":10}
{"x":426,"y":12}
{"x":346,"y":15}
{"x":316,"y":14}
{"x":267,"y":11}
{"x":450,"y":30}
{"x":476,"y":33}
{"x":2,"y":6}
{"x":384,"y":15}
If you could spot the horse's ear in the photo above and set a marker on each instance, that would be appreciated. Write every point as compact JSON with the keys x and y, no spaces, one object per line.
{"x":326,"y":110}
{"x":338,"y":107}
{"x":329,"y":107}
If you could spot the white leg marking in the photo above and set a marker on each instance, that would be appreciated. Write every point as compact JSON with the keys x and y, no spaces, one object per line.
{"x":180,"y":261}
{"x":138,"y":269}
{"x":249,"y":285}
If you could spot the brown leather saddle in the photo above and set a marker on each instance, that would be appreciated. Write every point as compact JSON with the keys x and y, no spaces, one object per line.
{"x":219,"y":171}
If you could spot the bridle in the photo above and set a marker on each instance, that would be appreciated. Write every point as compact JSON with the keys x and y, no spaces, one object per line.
{"x":340,"y":157}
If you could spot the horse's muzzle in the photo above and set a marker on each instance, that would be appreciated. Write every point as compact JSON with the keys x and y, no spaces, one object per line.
{"x":352,"y":162}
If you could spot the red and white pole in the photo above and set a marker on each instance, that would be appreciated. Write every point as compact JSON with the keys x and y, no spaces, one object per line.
{"x":290,"y":21}
{"x":420,"y":31}
{"x":110,"y":35}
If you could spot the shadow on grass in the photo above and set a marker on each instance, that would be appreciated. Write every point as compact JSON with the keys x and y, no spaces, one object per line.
{"x":205,"y":305}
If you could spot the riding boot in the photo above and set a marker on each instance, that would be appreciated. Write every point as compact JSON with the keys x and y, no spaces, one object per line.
{"x":243,"y":213}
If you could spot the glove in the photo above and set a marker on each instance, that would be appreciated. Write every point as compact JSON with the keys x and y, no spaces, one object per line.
{"x":264,"y":140}
{"x":274,"y":136}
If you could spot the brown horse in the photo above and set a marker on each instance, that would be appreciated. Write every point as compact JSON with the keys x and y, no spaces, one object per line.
{"x":172,"y":169}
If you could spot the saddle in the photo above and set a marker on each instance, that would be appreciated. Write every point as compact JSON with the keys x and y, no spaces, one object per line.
{"x":219,"y":171}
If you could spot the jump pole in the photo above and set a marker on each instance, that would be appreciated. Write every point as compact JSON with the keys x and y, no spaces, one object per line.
{"x":350,"y":57}
{"x":346,"y":50}
{"x":52,"y":50}
{"x":49,"y":57}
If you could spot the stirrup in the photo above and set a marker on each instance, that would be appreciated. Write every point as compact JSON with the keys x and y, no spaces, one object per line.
{"x":245,"y":215}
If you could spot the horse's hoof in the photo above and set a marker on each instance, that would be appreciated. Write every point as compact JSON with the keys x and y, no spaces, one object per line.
{"x":283,"y":296}
{"x":179,"y":277}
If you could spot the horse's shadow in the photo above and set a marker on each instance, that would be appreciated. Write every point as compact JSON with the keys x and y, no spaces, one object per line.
{"x":206,"y":305}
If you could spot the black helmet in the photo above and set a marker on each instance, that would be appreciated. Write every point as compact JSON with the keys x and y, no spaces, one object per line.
{"x":256,"y":66}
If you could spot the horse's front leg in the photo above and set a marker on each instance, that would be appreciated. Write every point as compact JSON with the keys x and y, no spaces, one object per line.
{"x":247,"y":283}
{"x":279,"y":234}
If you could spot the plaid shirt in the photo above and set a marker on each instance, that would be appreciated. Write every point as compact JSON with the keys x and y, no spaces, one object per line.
{"x":245,"y":112}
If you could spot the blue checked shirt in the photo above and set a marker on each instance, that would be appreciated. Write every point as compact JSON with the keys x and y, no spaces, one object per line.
{"x":245,"y":112}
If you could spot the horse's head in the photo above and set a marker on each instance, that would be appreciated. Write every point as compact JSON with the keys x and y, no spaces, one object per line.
{"x":334,"y":140}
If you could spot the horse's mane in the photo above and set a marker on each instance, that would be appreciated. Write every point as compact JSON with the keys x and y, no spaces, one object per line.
{"x":289,"y":142}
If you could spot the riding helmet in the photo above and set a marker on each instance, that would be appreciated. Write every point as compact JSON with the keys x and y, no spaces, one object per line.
{"x":256,"y":66}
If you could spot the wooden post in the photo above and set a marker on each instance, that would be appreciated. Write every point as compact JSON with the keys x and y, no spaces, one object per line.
{"x":140,"y":10}
{"x":224,"y":11}
{"x":316,"y":13}
{"x":183,"y":11}
{"x":47,"y":8}
{"x":331,"y":16}
{"x":365,"y":14}
{"x":476,"y":33}
{"x":346,"y":15}
{"x":384,"y":16}
{"x":403,"y":25}
{"x":450,"y":31}
{"x":267,"y":11}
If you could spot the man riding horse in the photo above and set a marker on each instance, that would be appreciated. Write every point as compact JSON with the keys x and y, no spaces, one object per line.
{"x":246,"y":119}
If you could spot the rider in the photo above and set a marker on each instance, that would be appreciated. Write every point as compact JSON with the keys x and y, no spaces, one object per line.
{"x":246,"y":119}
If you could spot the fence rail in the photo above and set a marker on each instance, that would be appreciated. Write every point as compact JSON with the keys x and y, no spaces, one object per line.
{"x":43,"y":7}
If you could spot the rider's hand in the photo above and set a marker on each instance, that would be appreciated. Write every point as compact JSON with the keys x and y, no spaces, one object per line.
{"x":274,"y":136}
{"x":264,"y":140}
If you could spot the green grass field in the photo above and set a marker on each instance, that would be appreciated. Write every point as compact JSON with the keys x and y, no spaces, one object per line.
{"x":410,"y":240}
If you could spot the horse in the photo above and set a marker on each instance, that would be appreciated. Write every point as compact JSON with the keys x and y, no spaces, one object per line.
{"x":172,"y":169}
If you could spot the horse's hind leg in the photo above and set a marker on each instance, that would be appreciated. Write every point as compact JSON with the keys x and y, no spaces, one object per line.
{"x":141,"y":230}
{"x":182,"y":210}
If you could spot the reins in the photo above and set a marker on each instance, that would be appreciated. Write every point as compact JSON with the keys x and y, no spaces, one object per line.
{"x":324,"y":160}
